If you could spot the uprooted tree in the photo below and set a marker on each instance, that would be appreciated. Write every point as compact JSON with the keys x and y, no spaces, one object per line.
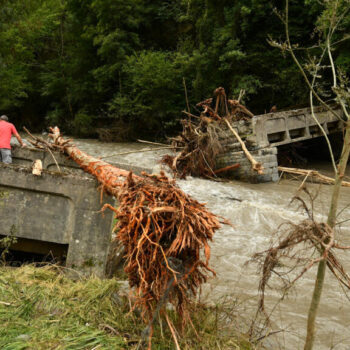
{"x":163,"y":231}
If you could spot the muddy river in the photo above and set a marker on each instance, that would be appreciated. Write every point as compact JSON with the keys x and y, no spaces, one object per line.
{"x":256,"y":212}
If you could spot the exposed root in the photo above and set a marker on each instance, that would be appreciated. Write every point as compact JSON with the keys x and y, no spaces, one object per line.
{"x":163,"y":231}
{"x":200,"y":145}
{"x":294,"y":254}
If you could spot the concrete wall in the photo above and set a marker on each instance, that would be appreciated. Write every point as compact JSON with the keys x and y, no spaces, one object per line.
{"x":266,"y":156}
{"x":58,"y":208}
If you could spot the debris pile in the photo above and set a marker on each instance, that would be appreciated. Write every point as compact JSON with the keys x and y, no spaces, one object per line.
{"x":200,"y":145}
{"x":199,"y":141}
{"x":163,"y":231}
{"x":221,"y":107}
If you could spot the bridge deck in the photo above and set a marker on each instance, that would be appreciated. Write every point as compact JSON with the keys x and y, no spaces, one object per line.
{"x":275,"y":129}
{"x":264,"y":133}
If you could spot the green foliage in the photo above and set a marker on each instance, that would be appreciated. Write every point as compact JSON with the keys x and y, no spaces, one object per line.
{"x":77,"y":63}
{"x":82,"y":124}
{"x":151,"y":91}
{"x":7,"y":242}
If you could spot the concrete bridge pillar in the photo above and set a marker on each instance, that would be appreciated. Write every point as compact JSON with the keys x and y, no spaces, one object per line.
{"x":267,"y":156}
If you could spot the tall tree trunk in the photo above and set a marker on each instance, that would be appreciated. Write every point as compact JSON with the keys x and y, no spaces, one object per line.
{"x":331,"y":221}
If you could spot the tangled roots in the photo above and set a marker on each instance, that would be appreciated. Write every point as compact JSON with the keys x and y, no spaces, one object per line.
{"x":200,"y":147}
{"x":294,"y":254}
{"x":163,"y":231}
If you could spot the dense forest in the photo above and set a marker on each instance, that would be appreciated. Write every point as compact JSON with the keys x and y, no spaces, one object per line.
{"x":84,"y":64}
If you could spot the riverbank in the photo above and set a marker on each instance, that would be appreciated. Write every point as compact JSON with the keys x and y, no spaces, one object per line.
{"x":43,"y":308}
{"x":257,"y":211}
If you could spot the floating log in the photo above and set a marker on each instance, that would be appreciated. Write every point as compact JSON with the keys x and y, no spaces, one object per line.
{"x":313,"y":174}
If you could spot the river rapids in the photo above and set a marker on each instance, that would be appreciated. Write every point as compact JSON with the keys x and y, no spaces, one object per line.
{"x":256,"y":211}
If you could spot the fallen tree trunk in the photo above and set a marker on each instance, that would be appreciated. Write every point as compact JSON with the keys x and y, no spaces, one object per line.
{"x":163,"y":231}
{"x":312,"y":173}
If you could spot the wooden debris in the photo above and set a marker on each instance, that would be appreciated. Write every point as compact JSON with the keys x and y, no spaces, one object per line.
{"x":228,"y":168}
{"x":239,"y":108}
{"x":231,"y":109}
{"x":37,"y":167}
{"x":200,"y":141}
{"x":153,"y":143}
{"x":200,"y":146}
{"x":256,"y":166}
{"x":137,"y":151}
{"x":315,"y":175}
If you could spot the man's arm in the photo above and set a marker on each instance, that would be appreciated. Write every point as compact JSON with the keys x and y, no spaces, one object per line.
{"x":18,"y":137}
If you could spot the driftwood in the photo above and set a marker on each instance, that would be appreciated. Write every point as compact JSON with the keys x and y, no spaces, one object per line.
{"x":228,"y":168}
{"x":153,"y":143}
{"x":224,"y":108}
{"x":221,"y":97}
{"x":238,"y":107}
{"x":199,"y":145}
{"x":200,"y":140}
{"x":137,"y":151}
{"x":315,"y":175}
{"x":37,"y":167}
{"x":256,"y":166}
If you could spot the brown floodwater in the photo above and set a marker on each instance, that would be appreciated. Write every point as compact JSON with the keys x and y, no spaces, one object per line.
{"x":256,"y":212}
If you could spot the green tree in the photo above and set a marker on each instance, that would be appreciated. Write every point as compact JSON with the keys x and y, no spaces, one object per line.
{"x":66,"y":61}
{"x":152,"y":95}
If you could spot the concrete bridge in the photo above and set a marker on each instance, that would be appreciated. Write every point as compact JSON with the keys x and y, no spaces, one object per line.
{"x":264,"y":133}
{"x":276,"y":129}
{"x":57,"y":213}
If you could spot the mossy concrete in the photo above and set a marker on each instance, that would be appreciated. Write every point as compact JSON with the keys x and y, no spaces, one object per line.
{"x":57,"y":207}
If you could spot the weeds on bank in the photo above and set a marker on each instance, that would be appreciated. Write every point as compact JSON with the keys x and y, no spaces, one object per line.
{"x":6,"y":243}
{"x":41,"y":308}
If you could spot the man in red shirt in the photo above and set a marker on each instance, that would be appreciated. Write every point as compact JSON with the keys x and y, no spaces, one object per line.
{"x":6,"y":131}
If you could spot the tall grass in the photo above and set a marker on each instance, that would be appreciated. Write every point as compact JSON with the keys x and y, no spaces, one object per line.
{"x":41,"y":308}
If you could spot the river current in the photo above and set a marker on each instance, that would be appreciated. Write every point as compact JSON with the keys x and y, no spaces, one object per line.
{"x":256,"y":211}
